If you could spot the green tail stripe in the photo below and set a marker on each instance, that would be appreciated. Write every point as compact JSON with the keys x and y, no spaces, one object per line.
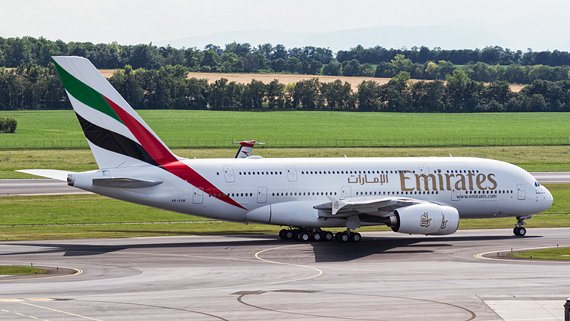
{"x":85,"y":94}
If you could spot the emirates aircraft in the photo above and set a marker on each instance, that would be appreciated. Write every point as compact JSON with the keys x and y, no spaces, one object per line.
{"x":425,"y":195}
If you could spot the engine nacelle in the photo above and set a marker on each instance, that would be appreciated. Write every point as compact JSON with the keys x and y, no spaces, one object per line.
{"x":449,"y":222}
{"x":425,"y":219}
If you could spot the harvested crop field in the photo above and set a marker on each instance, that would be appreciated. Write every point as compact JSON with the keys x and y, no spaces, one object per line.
{"x":285,"y":78}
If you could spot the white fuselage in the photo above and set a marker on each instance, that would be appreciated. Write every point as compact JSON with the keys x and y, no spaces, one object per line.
{"x":283,"y":191}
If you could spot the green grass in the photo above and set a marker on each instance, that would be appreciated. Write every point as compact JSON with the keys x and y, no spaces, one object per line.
{"x":177,"y":127}
{"x":561,"y":253}
{"x":531,"y":158}
{"x":42,"y":217}
{"x":19,"y":270}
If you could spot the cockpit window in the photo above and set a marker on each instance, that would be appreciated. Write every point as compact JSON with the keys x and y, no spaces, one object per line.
{"x":537,"y":184}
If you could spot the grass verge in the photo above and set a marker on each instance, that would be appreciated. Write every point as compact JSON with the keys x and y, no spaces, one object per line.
{"x":561,"y":253}
{"x":20,"y":270}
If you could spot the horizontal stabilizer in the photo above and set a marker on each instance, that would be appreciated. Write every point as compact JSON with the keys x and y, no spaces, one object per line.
{"x":49,"y":173}
{"x":124,"y":182}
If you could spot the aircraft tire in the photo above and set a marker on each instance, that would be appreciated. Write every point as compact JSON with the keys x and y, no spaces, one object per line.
{"x":355,"y":237}
{"x":288,"y":234}
{"x":327,"y":236}
{"x":337,"y":236}
{"x":304,"y":236}
{"x":342,"y":237}
{"x":317,"y":236}
{"x":519,"y":231}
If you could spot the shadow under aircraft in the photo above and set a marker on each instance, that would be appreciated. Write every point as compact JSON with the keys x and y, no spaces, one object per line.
{"x":320,"y":251}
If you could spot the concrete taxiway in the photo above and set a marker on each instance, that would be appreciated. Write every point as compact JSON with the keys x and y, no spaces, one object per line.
{"x":387,"y":276}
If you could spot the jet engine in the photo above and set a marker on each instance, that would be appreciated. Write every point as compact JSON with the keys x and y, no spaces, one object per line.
{"x":427,"y":219}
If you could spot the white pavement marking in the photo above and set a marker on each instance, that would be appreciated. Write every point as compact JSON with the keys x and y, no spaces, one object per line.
{"x":528,"y":310}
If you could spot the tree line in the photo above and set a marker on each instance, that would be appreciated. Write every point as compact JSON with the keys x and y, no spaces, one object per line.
{"x":32,"y":86}
{"x":487,"y":65}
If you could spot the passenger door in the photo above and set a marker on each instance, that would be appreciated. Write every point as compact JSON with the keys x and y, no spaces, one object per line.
{"x":521,"y":194}
{"x":198,"y":196}
{"x":291,"y":173}
{"x":262,"y":194}
{"x":229,"y":174}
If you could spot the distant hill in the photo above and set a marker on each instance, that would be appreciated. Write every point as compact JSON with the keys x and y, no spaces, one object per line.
{"x":517,"y":34}
{"x":387,"y":36}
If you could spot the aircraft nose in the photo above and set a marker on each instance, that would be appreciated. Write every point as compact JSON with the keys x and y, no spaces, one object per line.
{"x":544,"y":198}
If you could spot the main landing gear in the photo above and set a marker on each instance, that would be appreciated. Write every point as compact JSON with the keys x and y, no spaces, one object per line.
{"x":306,"y":235}
{"x":519,"y":230}
{"x":348,"y":236}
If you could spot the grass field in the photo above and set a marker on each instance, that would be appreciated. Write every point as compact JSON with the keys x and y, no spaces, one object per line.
{"x":46,"y":129}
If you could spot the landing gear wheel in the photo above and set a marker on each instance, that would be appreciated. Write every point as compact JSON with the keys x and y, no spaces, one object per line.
{"x":288,"y":234}
{"x":519,"y":231}
{"x":355,"y":237}
{"x":337,"y":236}
{"x":304,"y":236}
{"x":342,"y":237}
{"x":317,"y":236}
{"x":328,"y":236}
{"x":282,"y":234}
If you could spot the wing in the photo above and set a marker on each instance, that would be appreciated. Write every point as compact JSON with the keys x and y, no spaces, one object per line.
{"x":341,"y":208}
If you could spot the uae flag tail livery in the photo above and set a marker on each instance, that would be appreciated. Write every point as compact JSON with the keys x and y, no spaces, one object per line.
{"x":117,"y":135}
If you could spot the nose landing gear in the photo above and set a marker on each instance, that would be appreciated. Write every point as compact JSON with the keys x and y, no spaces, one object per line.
{"x":519,"y":230}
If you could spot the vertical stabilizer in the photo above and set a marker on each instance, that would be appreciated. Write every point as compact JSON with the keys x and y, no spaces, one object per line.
{"x":115,"y":132}
{"x":246,"y":148}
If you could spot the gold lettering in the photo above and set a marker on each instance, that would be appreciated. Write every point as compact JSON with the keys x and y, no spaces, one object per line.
{"x":403,"y":179}
{"x":426,"y":181}
{"x":460,"y":184}
{"x":470,"y":175}
{"x":480,"y":179}
{"x":440,"y":182}
{"x":494,"y":182}
{"x":448,"y":180}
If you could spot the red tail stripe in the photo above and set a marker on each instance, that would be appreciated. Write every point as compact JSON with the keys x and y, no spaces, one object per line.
{"x":165,"y":158}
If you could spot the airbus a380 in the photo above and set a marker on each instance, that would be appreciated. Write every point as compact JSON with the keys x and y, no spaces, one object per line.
{"x":410,"y":195}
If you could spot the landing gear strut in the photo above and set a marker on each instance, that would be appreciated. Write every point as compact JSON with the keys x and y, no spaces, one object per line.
{"x":519,"y":230}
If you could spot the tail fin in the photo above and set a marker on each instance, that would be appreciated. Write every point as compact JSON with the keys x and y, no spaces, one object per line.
{"x":246,"y":148}
{"x":115,"y":132}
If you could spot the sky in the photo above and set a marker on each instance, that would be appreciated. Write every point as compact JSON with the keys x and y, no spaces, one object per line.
{"x":143,"y":21}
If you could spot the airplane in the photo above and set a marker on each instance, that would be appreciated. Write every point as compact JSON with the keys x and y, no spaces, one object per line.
{"x":246,"y":148}
{"x":424,"y":195}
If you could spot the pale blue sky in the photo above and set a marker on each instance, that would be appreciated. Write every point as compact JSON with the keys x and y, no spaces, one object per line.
{"x":142,"y":21}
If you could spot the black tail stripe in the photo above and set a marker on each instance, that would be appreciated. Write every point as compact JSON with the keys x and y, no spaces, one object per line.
{"x":114,"y":142}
